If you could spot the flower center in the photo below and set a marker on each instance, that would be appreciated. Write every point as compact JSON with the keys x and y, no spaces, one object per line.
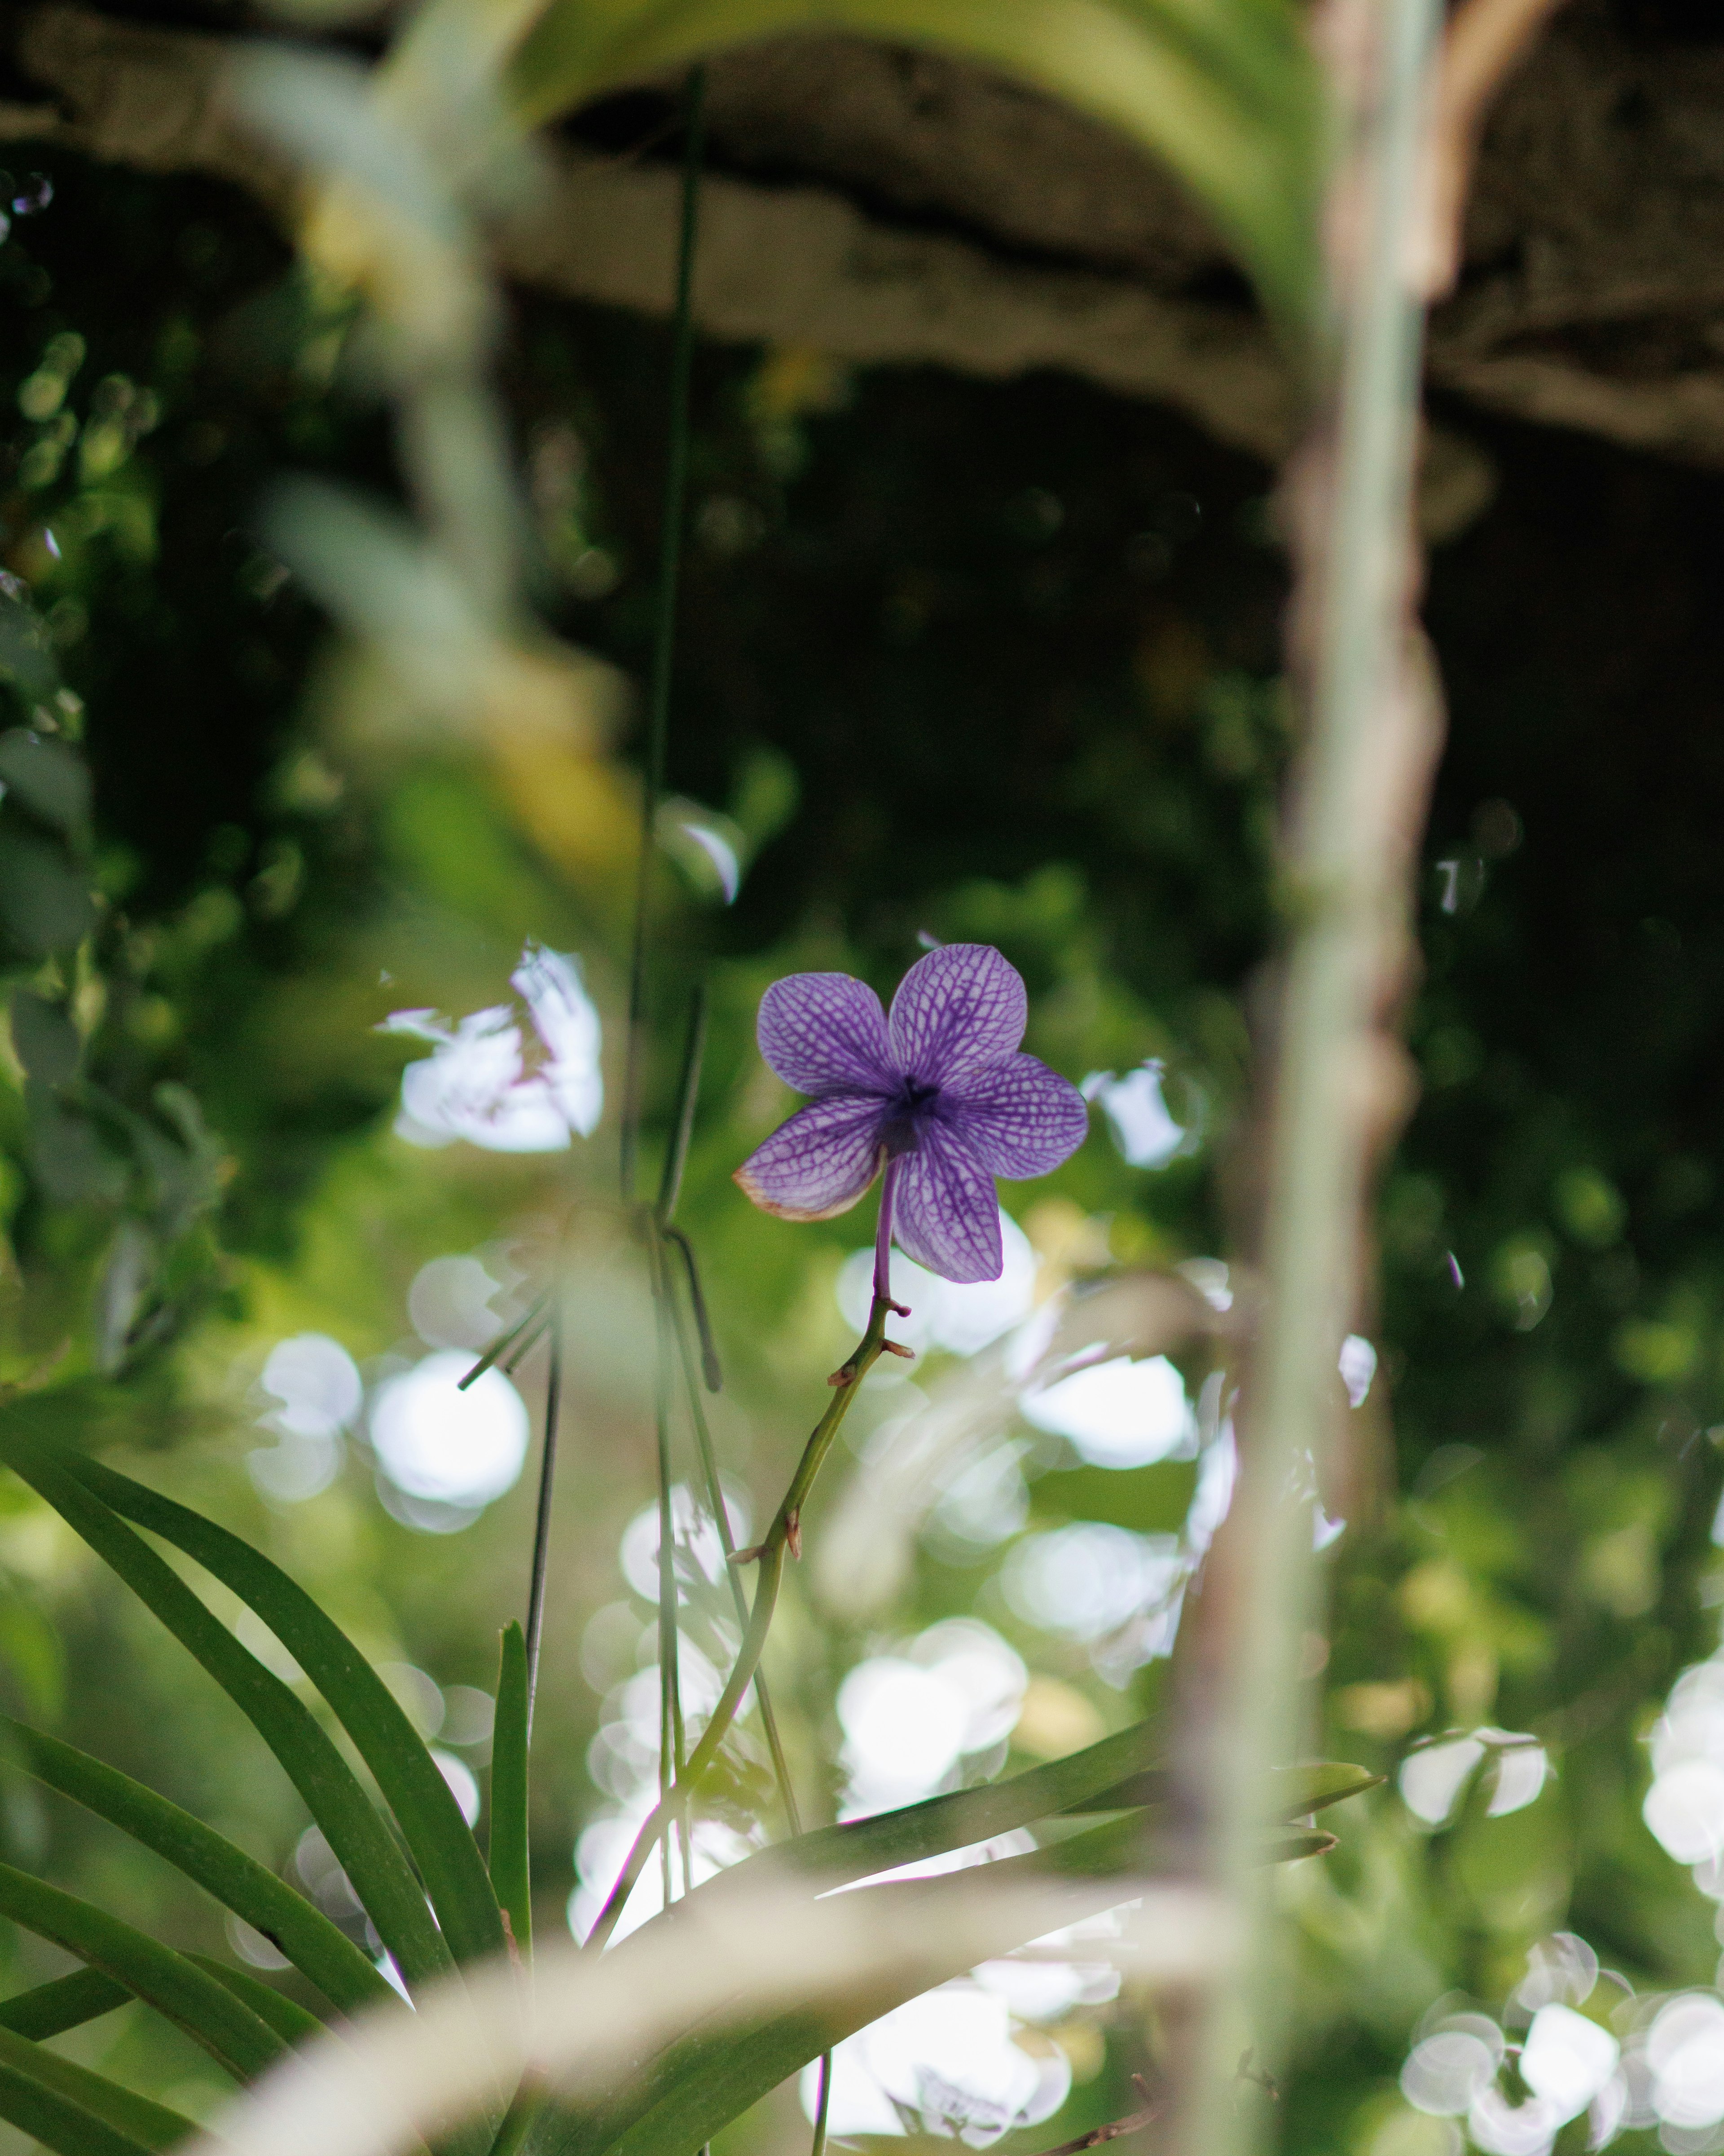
{"x":900,"y":1128}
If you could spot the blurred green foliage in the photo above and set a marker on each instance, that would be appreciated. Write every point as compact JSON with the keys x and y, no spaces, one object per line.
{"x":986,"y":661}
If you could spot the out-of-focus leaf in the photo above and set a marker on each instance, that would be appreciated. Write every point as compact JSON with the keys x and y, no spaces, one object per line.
{"x":27,"y":657}
{"x":50,"y":778}
{"x":44,"y":1037}
{"x":57,"y":2123}
{"x":1293,"y":1792}
{"x":511,"y":1874}
{"x":317,"y":1949}
{"x":209,"y":2014}
{"x":288,"y":2019}
{"x":45,"y":904}
{"x":69,"y":1157}
{"x":391,"y":1895}
{"x":1309,"y":1788}
{"x":150,"y":2123}
{"x":68,"y":2002}
{"x":1226,"y":91}
{"x":440,"y":1839}
{"x":706,"y":2080}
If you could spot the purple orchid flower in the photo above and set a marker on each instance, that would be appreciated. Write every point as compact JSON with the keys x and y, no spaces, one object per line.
{"x":938,"y":1093}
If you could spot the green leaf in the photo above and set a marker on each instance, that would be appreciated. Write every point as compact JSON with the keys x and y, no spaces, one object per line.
{"x":59,"y":2123}
{"x":27,"y":656}
{"x":1227,"y":92}
{"x":321,"y":1952}
{"x":859,"y":1847}
{"x":704,"y":2081}
{"x":67,"y":2003}
{"x":49,"y":778}
{"x":349,"y":1821}
{"x":152,"y":2124}
{"x":1310,"y":1787}
{"x":170,"y":1982}
{"x":440,"y":1840}
{"x":290,"y":2021}
{"x":510,"y":1871}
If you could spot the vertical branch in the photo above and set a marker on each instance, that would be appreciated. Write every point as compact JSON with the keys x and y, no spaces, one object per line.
{"x":665,"y":625}
{"x":1338,"y":1083}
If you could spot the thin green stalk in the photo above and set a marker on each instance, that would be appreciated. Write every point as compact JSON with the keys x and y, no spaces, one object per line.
{"x":676,"y":477}
{"x":769,"y":1719}
{"x":1359,"y":766}
{"x":823,"y":2103}
{"x":785,"y":1533}
{"x":542,"y":1519}
{"x":688,"y":1092}
{"x":721,"y":1521}
{"x":670,"y":1722}
{"x":504,"y":1341}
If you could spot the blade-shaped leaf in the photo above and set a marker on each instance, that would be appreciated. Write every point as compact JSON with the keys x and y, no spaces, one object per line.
{"x":168,"y":1981}
{"x":1316,"y":1785}
{"x":1225,"y":91}
{"x":441,"y":1841}
{"x":349,"y":1821}
{"x":59,"y":2123}
{"x":511,"y":1876}
{"x":938,"y":1824}
{"x":1293,"y":1792}
{"x":68,"y":2002}
{"x":321,"y":1952}
{"x":152,"y":2124}
{"x":714,"y":2075}
{"x":293,"y":2023}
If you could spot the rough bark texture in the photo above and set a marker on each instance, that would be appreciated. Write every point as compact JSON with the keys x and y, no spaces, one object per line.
{"x":890,"y":206}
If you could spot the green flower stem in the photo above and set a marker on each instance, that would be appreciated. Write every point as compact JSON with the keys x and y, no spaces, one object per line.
{"x":784,"y":1534}
{"x":721,"y":1519}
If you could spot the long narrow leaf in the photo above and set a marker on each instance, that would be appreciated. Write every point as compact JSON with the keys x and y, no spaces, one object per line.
{"x":1225,"y":90}
{"x":713,"y":2075}
{"x":321,"y":1952}
{"x":511,"y":1872}
{"x":170,"y":1982}
{"x":68,"y":2002}
{"x":293,"y":2023}
{"x":59,"y":2123}
{"x":938,"y":1824}
{"x":440,"y":1840}
{"x":152,"y":2124}
{"x":349,"y":1821}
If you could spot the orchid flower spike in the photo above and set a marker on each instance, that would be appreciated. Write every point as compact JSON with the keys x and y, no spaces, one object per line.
{"x":938,"y":1094}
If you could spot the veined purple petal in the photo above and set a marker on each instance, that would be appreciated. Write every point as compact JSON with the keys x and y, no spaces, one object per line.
{"x":1020,"y":1118}
{"x":819,"y":1163}
{"x":825,"y":1033}
{"x":961,"y":1009}
{"x":945,"y":1214}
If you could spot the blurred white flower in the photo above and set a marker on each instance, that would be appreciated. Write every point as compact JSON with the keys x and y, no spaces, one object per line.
{"x":1090,"y":1579}
{"x":1118,"y":1413}
{"x":436,"y":1442}
{"x":1686,"y":2052}
{"x":319,"y":1391}
{"x":1433,"y":1776}
{"x":946,"y":2061}
{"x":1447,"y":2069}
{"x":908,"y":1718}
{"x":478,"y":1085}
{"x":1144,"y":1131}
{"x":1566,"y":2058}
